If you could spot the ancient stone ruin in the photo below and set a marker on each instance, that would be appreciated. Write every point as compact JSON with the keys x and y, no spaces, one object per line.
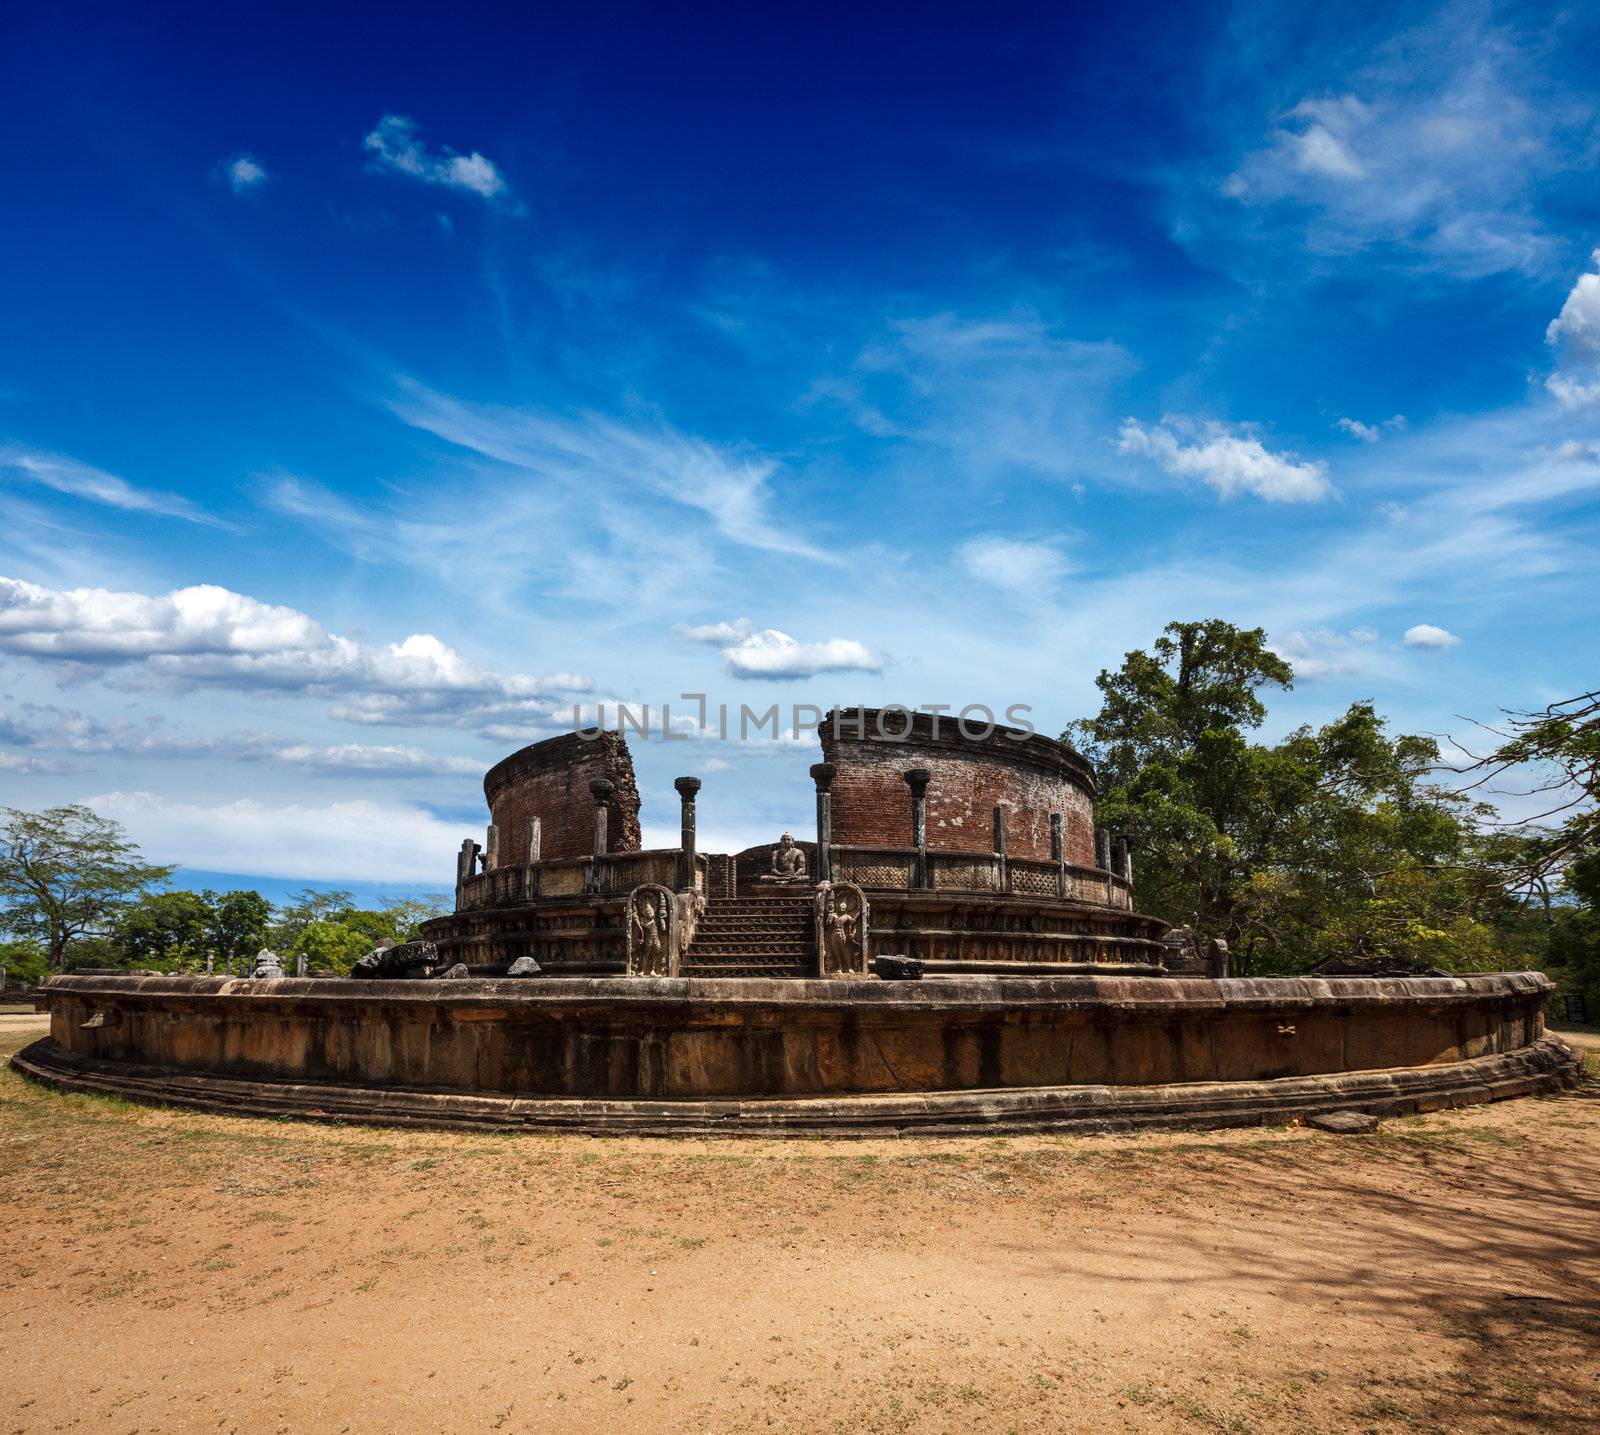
{"x":953,"y":948}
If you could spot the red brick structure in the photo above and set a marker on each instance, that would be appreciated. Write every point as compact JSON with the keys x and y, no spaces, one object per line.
{"x":549,"y":781}
{"x":971,"y":772}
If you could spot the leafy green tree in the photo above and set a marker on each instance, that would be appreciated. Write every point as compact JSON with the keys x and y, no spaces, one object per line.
{"x":239,"y":923}
{"x":26,"y":963}
{"x":66,"y":873}
{"x":409,"y":913}
{"x":168,"y":928}
{"x":1332,"y":843}
{"x":306,"y":906}
{"x":333,"y":945}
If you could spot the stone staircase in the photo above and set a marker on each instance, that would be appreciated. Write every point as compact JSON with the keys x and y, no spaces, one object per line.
{"x":767,"y":936}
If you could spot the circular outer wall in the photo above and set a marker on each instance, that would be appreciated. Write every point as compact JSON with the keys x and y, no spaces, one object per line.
{"x":761,"y":1057}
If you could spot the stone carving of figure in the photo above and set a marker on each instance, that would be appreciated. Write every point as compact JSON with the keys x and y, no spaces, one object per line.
{"x":788,"y":860}
{"x":267,"y":964}
{"x":843,"y":932}
{"x":647,"y":933}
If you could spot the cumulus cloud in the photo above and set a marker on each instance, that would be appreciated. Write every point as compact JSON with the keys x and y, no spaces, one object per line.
{"x":747,"y":653}
{"x":341,"y":841}
{"x":1425,"y":635}
{"x":1576,"y":330}
{"x":1229,"y":459}
{"x":67,"y":475}
{"x":395,"y":146}
{"x":1371,"y":433}
{"x":1023,"y":566}
{"x":244,"y":172}
{"x":211,"y":635}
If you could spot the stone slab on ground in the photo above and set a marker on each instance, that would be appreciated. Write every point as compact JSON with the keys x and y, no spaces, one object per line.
{"x":1343,"y":1123}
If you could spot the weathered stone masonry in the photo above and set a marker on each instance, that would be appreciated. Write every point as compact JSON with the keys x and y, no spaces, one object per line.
{"x":549,"y":781}
{"x":968,"y":778}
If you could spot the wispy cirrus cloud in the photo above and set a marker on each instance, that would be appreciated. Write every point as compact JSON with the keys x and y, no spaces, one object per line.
{"x":395,"y":146}
{"x":81,"y":480}
{"x":1029,"y":567}
{"x":1229,"y":459}
{"x":595,"y":455}
{"x":1433,"y":150}
{"x":1371,"y":433}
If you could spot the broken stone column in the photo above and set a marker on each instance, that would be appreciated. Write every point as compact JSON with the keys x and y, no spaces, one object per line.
{"x":467,"y":862}
{"x":917,"y":779}
{"x":1058,"y":854}
{"x":687,"y":788}
{"x":1000,"y":848}
{"x":535,"y":839}
{"x":600,"y":789}
{"x":822,"y":773}
{"x":491,"y":848}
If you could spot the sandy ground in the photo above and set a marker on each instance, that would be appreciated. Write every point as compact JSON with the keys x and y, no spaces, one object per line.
{"x":164,"y":1271}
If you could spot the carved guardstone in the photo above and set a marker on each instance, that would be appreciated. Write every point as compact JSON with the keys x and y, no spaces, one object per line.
{"x":841,"y":927}
{"x":651,"y":949}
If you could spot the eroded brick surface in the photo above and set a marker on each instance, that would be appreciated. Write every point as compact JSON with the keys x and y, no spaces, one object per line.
{"x":1028,"y":779}
{"x":550,"y":781}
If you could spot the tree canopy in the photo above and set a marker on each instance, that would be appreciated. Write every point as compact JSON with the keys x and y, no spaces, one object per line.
{"x":66,"y":873}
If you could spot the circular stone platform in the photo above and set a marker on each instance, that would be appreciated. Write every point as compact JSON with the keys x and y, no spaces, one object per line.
{"x":757,"y":1057}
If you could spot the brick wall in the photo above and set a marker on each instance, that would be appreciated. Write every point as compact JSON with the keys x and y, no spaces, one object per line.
{"x":550,"y":781}
{"x":1030,"y":779}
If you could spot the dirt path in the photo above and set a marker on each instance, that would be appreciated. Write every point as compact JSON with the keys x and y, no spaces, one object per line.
{"x":176,"y":1272}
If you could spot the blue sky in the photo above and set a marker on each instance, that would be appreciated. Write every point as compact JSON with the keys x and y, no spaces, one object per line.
{"x":372,"y":392}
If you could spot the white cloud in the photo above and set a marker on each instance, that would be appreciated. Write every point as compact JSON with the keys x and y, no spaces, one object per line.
{"x":717,"y":634}
{"x":67,"y":475}
{"x":53,"y":729}
{"x":395,"y":144}
{"x":1438,"y":148}
{"x":1318,"y":653}
{"x":1230,"y":460}
{"x":1371,"y":433}
{"x":212,"y":635}
{"x":596,"y":455}
{"x":771,"y":654}
{"x":1028,"y":567}
{"x":1425,"y":635}
{"x":1576,"y":383}
{"x":341,"y":842}
{"x":245,"y":172}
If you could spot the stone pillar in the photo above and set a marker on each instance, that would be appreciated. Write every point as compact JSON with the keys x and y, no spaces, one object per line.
{"x":822,"y":773}
{"x":1000,"y":848}
{"x":687,"y":787}
{"x":1125,"y":865}
{"x":917,"y":779}
{"x":1102,"y":860}
{"x":491,"y":848}
{"x":535,"y":839}
{"x":1058,"y":854}
{"x":600,"y":789}
{"x":467,"y":862}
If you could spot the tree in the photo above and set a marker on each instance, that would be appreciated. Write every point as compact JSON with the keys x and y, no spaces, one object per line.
{"x":66,"y":872}
{"x":239,"y":922}
{"x":409,"y":913}
{"x":306,"y":906}
{"x":163,"y":927}
{"x":1331,"y":843}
